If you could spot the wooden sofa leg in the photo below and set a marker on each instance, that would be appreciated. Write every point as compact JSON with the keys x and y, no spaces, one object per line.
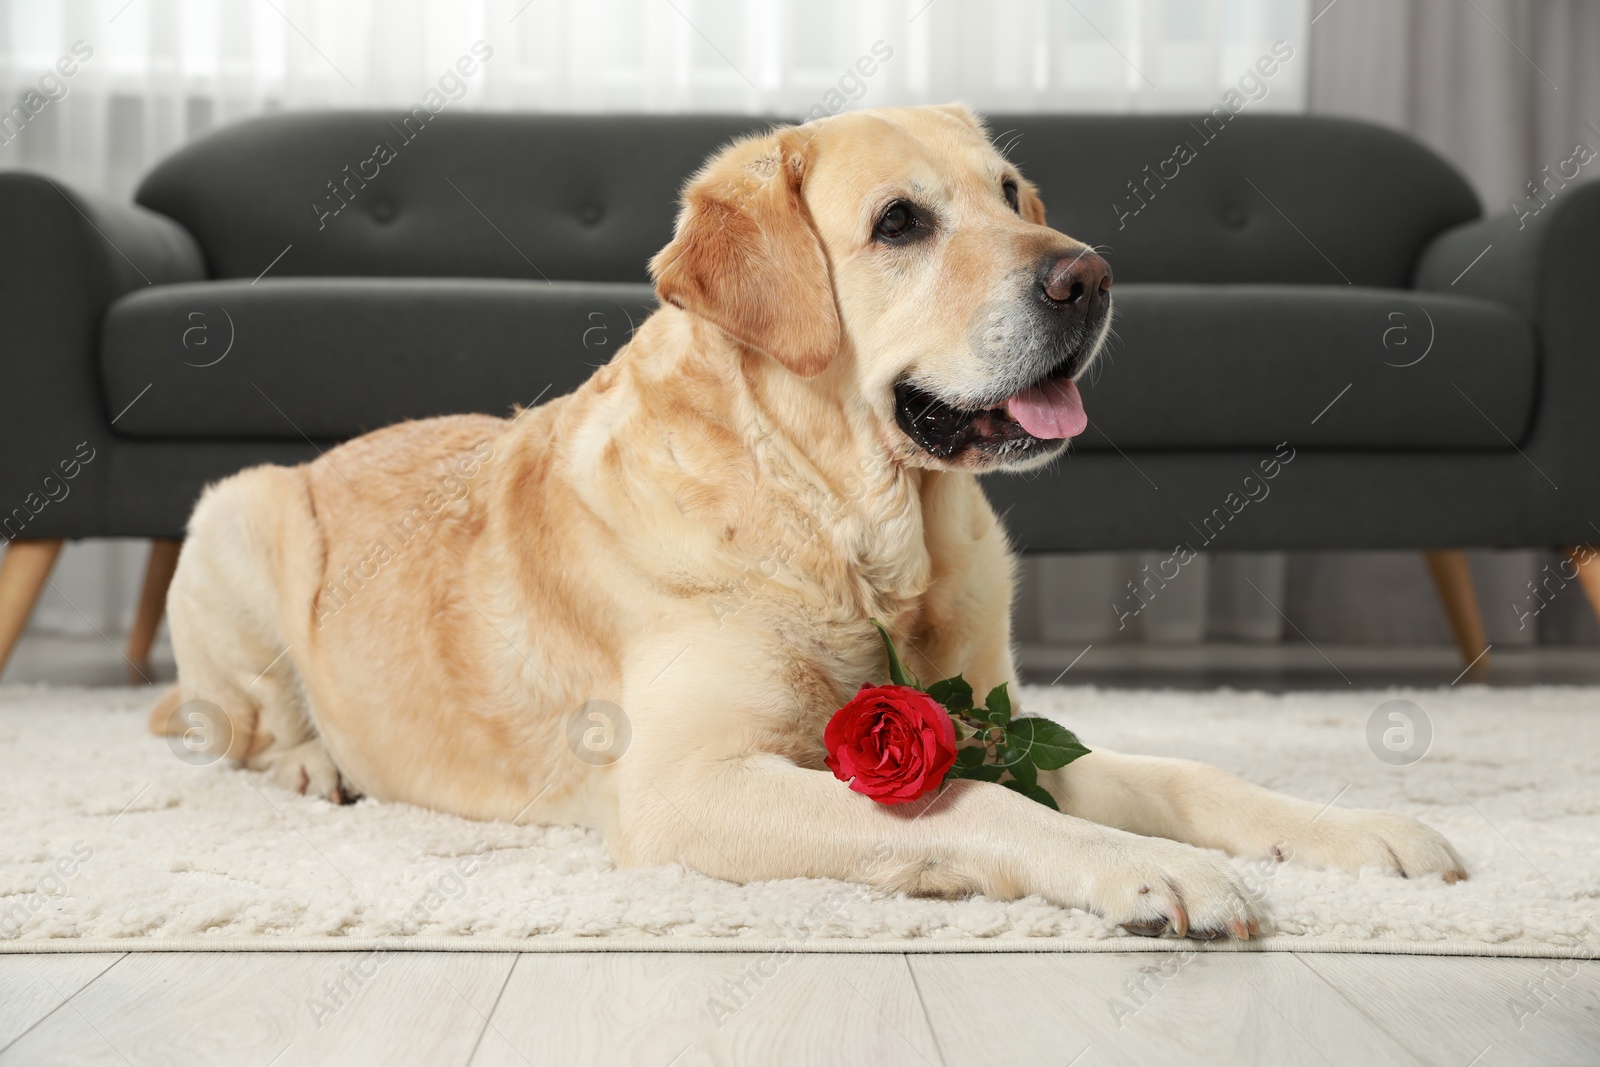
{"x":1586,"y":561}
{"x":1453,"y":578}
{"x":158,"y":572}
{"x":23,"y":572}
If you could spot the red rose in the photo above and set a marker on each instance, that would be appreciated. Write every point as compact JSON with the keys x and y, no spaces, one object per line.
{"x":891,"y":743}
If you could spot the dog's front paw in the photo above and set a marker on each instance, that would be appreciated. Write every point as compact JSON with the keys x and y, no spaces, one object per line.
{"x":1350,"y":840}
{"x":1152,"y":886}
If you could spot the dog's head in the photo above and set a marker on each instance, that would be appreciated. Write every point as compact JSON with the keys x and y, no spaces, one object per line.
{"x":896,"y":258}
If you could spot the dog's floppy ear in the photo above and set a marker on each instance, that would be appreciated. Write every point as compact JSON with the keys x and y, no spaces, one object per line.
{"x":746,"y":257}
{"x":1029,"y":206}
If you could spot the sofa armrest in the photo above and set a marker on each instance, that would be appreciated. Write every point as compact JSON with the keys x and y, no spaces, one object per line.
{"x":1545,"y":267}
{"x":64,"y":257}
{"x":1513,"y":258}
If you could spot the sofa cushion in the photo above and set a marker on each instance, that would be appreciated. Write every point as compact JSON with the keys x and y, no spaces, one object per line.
{"x":1224,"y":366}
{"x":331,"y":358}
{"x":1198,"y":198}
{"x":563,"y":197}
{"x":1275,"y":199}
{"x":1192,"y":367}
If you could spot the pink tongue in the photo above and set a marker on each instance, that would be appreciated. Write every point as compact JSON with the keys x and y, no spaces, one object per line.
{"x":1050,"y":411}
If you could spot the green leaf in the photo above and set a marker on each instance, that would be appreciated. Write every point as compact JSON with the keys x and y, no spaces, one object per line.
{"x":1048,"y":745}
{"x":980,"y":772}
{"x":1021,"y":767}
{"x":954,"y":693}
{"x":1032,"y":792}
{"x":897,"y":670}
{"x":998,"y":705}
{"x":971,"y":756}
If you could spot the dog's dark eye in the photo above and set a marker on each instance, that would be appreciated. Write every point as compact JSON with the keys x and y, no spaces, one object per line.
{"x":897,"y":220}
{"x":1010,"y":189}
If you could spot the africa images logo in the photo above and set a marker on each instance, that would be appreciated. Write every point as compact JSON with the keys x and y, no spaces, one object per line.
{"x":451,"y":87}
{"x":1252,"y":87}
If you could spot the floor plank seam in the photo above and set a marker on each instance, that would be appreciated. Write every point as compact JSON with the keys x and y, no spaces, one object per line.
{"x":1279,"y":1012}
{"x":65,"y":1000}
{"x":488,"y":1019}
{"x":933,"y":1032}
{"x":1377,"y":1024}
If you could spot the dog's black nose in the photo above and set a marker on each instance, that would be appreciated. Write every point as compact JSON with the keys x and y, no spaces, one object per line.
{"x":1080,"y":283}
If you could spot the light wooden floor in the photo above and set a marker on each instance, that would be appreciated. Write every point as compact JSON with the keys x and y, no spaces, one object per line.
{"x":677,"y":1010}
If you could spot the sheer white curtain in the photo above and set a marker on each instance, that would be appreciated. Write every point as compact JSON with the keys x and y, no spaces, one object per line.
{"x":151,"y":74}
{"x":1503,"y":88}
{"x":146,"y":76}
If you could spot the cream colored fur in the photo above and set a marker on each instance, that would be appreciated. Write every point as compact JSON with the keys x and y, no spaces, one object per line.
{"x":698,"y":537}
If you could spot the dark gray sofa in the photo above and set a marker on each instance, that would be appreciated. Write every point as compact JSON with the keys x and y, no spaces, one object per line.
{"x":285,"y":283}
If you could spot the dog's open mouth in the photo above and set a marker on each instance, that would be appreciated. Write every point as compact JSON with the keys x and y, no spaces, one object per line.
{"x":1048,"y":411}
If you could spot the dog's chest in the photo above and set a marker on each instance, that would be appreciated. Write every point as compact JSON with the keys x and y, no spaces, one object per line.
{"x":823,"y":656}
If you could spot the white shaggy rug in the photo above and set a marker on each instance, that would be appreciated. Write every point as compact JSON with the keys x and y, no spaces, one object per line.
{"x":108,"y":841}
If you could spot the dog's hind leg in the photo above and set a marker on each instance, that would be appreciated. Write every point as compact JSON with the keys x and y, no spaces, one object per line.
{"x":240,"y":690}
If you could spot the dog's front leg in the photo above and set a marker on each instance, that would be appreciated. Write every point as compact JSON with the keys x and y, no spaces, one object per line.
{"x":761,"y":817}
{"x":702,"y":785}
{"x":1208,"y":807}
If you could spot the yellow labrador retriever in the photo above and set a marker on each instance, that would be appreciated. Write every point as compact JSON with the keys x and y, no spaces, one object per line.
{"x":858,"y":316}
